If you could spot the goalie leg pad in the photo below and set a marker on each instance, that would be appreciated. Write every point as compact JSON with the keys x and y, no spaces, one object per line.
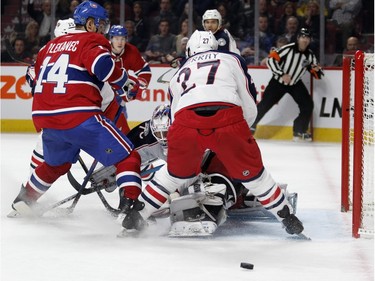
{"x":187,"y":207}
{"x":192,"y":229}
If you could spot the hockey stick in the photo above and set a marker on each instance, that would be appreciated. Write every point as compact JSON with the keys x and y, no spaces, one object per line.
{"x":97,"y":189}
{"x":77,"y":186}
{"x":85,"y":181}
{"x":161,"y":78}
{"x":10,"y":52}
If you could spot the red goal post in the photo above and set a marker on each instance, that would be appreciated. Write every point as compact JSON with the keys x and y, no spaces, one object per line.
{"x":357,"y":162}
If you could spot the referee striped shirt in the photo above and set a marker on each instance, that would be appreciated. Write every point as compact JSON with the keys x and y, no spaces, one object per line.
{"x":289,"y":60}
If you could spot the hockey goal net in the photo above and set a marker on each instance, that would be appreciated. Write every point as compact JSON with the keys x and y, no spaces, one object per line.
{"x":357,"y":178}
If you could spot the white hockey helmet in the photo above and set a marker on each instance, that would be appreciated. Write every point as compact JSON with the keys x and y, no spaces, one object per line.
{"x":212,"y":15}
{"x":160,"y":122}
{"x":201,"y":41}
{"x":63,"y":26}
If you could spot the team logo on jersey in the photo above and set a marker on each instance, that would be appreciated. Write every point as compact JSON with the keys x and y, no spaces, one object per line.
{"x":108,"y":150}
{"x":246,"y":173}
{"x":221,"y":42}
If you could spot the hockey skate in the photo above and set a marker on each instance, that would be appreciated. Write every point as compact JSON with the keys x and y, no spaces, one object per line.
{"x":248,"y":206}
{"x":23,"y":206}
{"x":300,"y":137}
{"x":291,"y":223}
{"x":133,"y":222}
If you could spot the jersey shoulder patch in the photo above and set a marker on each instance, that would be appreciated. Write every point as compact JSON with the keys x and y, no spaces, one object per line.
{"x":221,"y":42}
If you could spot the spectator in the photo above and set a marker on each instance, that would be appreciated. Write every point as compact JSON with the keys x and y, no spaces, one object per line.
{"x":248,"y":19}
{"x":165,"y":12}
{"x":302,"y":5}
{"x":311,"y":21}
{"x":199,"y":6}
{"x":266,"y":41}
{"x":264,"y":11}
{"x":31,"y":35}
{"x":72,"y":7}
{"x":62,"y":8}
{"x":181,"y":50}
{"x":141,"y":24}
{"x":162,"y":46}
{"x":351,"y":47}
{"x":18,"y":52}
{"x":185,"y":15}
{"x":43,"y":18}
{"x":291,"y":28}
{"x":232,"y":12}
{"x":289,"y":10}
{"x":344,"y":13}
{"x":113,"y":19}
{"x":133,"y":38}
{"x":184,"y":32}
{"x":281,"y":41}
{"x":34,"y":53}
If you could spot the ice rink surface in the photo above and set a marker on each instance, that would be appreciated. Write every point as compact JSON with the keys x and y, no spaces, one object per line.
{"x":83,"y":245}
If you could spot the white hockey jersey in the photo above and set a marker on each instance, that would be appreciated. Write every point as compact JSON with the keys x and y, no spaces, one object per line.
{"x":213,"y":76}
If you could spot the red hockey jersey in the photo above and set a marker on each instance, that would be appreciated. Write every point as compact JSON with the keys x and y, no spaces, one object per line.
{"x":131,"y":59}
{"x":70,"y":71}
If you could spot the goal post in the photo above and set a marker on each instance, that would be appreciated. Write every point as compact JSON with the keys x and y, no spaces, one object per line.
{"x":357,"y":162}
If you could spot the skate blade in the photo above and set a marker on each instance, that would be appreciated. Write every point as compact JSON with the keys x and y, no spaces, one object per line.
{"x":14,"y":215}
{"x":300,"y":236}
{"x":22,"y":210}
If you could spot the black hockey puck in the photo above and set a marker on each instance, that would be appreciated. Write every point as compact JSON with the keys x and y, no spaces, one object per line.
{"x":247,"y":265}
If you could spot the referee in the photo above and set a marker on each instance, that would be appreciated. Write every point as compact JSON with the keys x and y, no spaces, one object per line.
{"x":288,"y":64}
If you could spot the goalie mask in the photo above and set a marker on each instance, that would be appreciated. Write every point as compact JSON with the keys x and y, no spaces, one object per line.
{"x":160,"y":122}
{"x":201,"y":41}
{"x":63,"y":27}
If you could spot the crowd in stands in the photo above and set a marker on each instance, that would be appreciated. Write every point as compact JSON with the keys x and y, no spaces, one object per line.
{"x":159,"y":27}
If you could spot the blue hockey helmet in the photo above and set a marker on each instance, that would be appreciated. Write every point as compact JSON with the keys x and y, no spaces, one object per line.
{"x":90,"y":9}
{"x":118,"y":30}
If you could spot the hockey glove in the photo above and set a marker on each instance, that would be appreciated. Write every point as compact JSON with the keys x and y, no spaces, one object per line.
{"x":176,"y":63}
{"x":131,"y":89}
{"x":317,"y":74}
{"x":30,"y":77}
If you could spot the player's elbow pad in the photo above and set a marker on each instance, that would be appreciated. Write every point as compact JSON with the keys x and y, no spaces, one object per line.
{"x":103,"y":68}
